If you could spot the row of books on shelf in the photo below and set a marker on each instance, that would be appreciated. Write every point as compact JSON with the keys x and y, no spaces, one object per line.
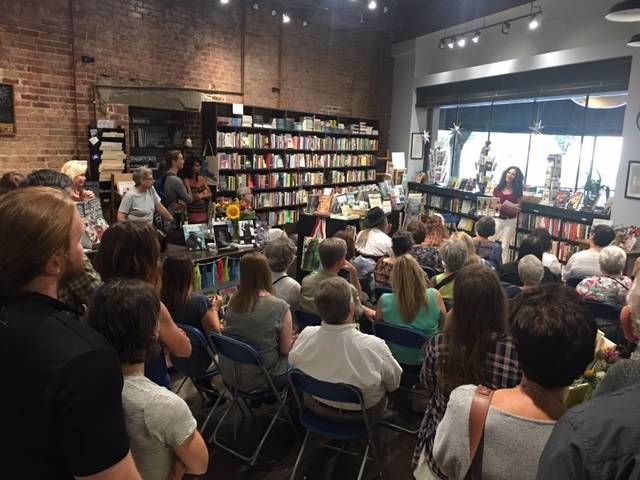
{"x":236,"y":161}
{"x":280,"y":199}
{"x":564,"y":250}
{"x":303,"y":124}
{"x":112,"y":154}
{"x":279,"y":217}
{"x":456,"y":222}
{"x":458,"y":205}
{"x":347,"y":204}
{"x":530,"y":221}
{"x":288,"y":141}
{"x":294,"y":179}
{"x":575,"y":231}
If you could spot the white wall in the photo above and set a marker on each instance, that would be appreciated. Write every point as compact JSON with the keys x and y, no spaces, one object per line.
{"x":571,"y":31}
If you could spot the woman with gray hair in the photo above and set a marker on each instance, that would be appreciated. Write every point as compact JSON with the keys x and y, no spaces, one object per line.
{"x":612,"y":286}
{"x":141,"y":202}
{"x":530,"y":271}
{"x":454,"y":256}
{"x":280,"y":254}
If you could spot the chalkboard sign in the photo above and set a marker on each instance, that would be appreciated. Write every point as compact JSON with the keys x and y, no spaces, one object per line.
{"x":7,"y":114}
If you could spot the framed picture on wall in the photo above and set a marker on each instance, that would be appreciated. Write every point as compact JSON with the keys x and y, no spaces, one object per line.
{"x":417,"y":146}
{"x":7,"y":112}
{"x":632,"y":189}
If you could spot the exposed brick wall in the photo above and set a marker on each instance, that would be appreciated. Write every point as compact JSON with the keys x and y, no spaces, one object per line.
{"x":163,"y":43}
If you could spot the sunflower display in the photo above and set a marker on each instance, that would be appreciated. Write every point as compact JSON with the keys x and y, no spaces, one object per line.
{"x":233,"y":212}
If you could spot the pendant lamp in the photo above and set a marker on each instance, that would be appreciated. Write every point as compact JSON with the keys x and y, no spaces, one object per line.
{"x":626,"y":11}
{"x":635,"y":41}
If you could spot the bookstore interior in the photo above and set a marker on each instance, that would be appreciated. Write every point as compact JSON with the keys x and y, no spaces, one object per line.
{"x":507,"y":130}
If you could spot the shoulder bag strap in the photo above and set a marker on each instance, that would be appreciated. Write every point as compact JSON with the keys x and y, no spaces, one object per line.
{"x":278,"y":279}
{"x":445,"y":281}
{"x":618,"y":282}
{"x":477,"y":417}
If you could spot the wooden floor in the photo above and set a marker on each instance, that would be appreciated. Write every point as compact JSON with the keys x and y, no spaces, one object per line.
{"x":281,"y":449}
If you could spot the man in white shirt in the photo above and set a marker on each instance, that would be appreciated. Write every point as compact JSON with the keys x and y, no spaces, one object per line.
{"x":549,"y":260}
{"x":587,"y":262}
{"x":337,"y":352}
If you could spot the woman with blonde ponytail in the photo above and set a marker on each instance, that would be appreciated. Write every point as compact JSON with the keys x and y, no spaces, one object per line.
{"x":412,"y":304}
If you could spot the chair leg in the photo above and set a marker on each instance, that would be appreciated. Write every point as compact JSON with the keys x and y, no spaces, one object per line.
{"x":184,"y":380}
{"x":254,"y":458}
{"x":365,"y":456}
{"x":299,"y":459}
{"x":211,"y":412}
{"x":374,"y":448}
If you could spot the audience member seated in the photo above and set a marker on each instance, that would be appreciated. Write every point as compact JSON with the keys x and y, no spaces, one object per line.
{"x":61,"y":410}
{"x":257,"y":317}
{"x":332,"y":253}
{"x":185,"y":306}
{"x":351,"y":275}
{"x":530,"y":246}
{"x":586,"y":263}
{"x":76,"y":292}
{"x":280,"y":254}
{"x":612,"y":286}
{"x":141,"y":202}
{"x":487,"y":249}
{"x":454,"y":255}
{"x":554,"y":335}
{"x":472,"y":256}
{"x":427,"y":256}
{"x":76,"y":170}
{"x":437,"y":232}
{"x":351,"y":243}
{"x":549,"y":260}
{"x":412,"y":304}
{"x":373,"y":242}
{"x":164,"y":438}
{"x":402,"y":242}
{"x":337,"y":352}
{"x":600,"y":438}
{"x":530,"y":271}
{"x":10,"y":181}
{"x":630,"y":315}
{"x":131,"y":250}
{"x":473,"y":348}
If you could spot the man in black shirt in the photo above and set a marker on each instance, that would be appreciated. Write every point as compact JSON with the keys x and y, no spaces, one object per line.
{"x":61,"y":408}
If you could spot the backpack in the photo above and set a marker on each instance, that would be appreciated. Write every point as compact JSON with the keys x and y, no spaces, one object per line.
{"x":158,"y":185}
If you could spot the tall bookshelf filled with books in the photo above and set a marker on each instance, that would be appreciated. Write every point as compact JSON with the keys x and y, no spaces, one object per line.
{"x":285,"y":156}
{"x":458,"y":208}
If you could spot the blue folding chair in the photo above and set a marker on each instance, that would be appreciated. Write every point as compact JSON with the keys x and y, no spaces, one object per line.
{"x":574,"y":281}
{"x":306,"y":319}
{"x":510,"y":290}
{"x":607,"y":317}
{"x":302,"y":384}
{"x":243,"y":354}
{"x":200,"y":368}
{"x":448,"y":304}
{"x":403,"y":337}
{"x":431,"y":272}
{"x":379,"y":291}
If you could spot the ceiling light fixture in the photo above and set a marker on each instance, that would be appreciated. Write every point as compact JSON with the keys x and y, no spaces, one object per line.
{"x":255,"y":6}
{"x":627,"y":11}
{"x":224,"y":2}
{"x":462,"y":42}
{"x":372,"y":5}
{"x":451,"y":43}
{"x":534,"y":23}
{"x":635,"y":41}
{"x":441,"y":44}
{"x":385,"y":9}
{"x":286,"y":18}
{"x":476,"y":37}
{"x":274,"y":13}
{"x":505,"y":28}
{"x":305,"y":23}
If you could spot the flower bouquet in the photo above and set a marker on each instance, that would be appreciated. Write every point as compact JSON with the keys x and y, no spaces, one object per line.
{"x":585,"y":385}
{"x":234,"y":211}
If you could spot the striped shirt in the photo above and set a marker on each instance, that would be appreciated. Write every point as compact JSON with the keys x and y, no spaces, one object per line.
{"x":501,"y":370}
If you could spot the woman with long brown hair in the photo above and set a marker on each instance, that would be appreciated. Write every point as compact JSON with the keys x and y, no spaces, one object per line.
{"x":474,"y":348}
{"x":412,"y":304}
{"x":255,"y":316}
{"x":185,"y":306}
{"x":132,"y":250}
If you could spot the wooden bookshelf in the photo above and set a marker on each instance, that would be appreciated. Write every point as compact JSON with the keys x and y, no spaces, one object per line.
{"x":281,"y":151}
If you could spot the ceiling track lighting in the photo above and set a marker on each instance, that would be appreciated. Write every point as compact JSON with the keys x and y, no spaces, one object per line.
{"x":635,"y":41}
{"x":224,"y":2}
{"x":274,"y":13}
{"x":372,"y":5}
{"x":286,"y":18}
{"x":255,"y":6}
{"x":627,"y":11}
{"x":461,"y":39}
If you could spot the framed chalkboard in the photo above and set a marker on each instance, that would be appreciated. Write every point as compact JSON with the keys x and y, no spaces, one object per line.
{"x":7,"y":112}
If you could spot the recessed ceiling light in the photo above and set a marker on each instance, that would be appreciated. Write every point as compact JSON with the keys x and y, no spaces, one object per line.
{"x":627,"y":11}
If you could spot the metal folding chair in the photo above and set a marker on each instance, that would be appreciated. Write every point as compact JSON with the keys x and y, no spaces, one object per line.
{"x":431,"y":272}
{"x":607,"y":317}
{"x":574,"y":281}
{"x":243,"y":354}
{"x":379,"y":291}
{"x":511,"y":291}
{"x":403,"y":337}
{"x":305,"y":319}
{"x":328,"y":428}
{"x":200,"y":368}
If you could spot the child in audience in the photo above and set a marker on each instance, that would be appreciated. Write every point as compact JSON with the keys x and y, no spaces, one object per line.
{"x":165,"y":442}
{"x":402,"y":242}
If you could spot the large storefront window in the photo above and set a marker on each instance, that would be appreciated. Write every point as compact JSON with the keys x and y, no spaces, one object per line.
{"x":585,"y":130}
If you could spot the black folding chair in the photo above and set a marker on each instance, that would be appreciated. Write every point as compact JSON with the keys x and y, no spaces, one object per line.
{"x":379,"y":291}
{"x":574,"y":281}
{"x":243,"y":354}
{"x":511,"y":291}
{"x":607,"y":317}
{"x":302,"y":383}
{"x":305,"y":319}
{"x":431,"y":272}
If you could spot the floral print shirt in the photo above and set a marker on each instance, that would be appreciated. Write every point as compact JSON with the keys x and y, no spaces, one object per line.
{"x":605,"y":289}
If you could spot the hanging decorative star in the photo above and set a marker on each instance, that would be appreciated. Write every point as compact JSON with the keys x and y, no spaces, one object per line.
{"x":537,"y":128}
{"x":426,"y":136}
{"x":456,"y":129}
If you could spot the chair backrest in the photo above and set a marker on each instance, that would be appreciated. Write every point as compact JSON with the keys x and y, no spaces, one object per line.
{"x":201,"y":354}
{"x":510,"y":290}
{"x":607,"y":317}
{"x":431,"y":272}
{"x":402,"y":336}
{"x":448,"y":304}
{"x":574,"y":281}
{"x":335,"y":392}
{"x":235,"y":350}
{"x":306,"y":319}
{"x":381,"y":291}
